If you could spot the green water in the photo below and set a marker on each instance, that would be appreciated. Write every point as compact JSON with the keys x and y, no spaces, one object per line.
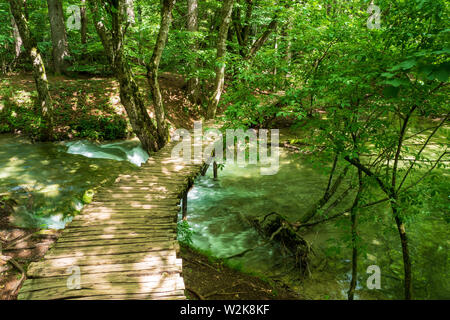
{"x":217,"y":211}
{"x":49,"y":179}
{"x":48,"y":182}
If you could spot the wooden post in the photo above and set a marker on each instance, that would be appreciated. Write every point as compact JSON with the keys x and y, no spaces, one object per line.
{"x":215,"y":165}
{"x":184,"y":206}
{"x":215,"y":170}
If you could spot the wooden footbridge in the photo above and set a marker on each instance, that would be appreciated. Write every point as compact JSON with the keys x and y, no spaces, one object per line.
{"x":123,"y":245}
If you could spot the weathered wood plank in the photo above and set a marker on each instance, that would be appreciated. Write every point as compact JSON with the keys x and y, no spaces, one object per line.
{"x":149,"y":236}
{"x":175,"y":295}
{"x":95,"y":290}
{"x":108,"y":222}
{"x":167,"y":259}
{"x":40,"y":271}
{"x":108,"y":242}
{"x":120,"y":233}
{"x":56,"y":253}
{"x":31,"y":285}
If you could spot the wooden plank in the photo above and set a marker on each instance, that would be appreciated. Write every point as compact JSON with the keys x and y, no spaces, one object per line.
{"x":108,"y":222}
{"x":114,"y":196}
{"x":40,"y":272}
{"x":149,"y":236}
{"x":31,"y":285}
{"x":130,"y":205}
{"x":154,"y":259}
{"x":108,"y":242}
{"x":56,"y":253}
{"x":120,"y":233}
{"x":104,"y":290}
{"x":122,"y":228}
{"x":129,"y":215}
{"x":175,"y":295}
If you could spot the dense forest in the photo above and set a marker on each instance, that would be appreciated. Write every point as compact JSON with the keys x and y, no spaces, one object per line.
{"x":358,"y":90}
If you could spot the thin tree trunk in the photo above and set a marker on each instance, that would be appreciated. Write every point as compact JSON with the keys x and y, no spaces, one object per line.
{"x":263,"y":38}
{"x":153,"y":67}
{"x":331,"y":190}
{"x":83,"y":22}
{"x":60,"y":47}
{"x":39,"y":75}
{"x":227,"y":9}
{"x":390,"y":192}
{"x":405,"y":251}
{"x":193,"y":88}
{"x":354,"y":232}
{"x":243,"y":31}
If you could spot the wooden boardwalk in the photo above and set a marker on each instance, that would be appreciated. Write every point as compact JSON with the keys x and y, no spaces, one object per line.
{"x":123,"y":243}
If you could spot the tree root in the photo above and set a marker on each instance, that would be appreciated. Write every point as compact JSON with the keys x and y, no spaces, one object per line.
{"x":275,"y":227}
{"x":16,"y":265}
{"x":15,"y":242}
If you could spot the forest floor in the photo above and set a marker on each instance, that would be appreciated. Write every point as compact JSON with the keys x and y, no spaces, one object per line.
{"x":24,"y":246}
{"x":84,"y":106}
{"x":212,"y":280}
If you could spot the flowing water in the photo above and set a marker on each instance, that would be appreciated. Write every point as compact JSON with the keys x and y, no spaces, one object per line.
{"x":49,"y":180}
{"x":218,"y":212}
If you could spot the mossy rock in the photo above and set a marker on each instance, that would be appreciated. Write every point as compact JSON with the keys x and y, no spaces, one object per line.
{"x":88,"y":196}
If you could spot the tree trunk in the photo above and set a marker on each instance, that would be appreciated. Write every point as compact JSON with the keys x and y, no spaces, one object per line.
{"x":83,"y":22}
{"x":243,"y":31}
{"x":227,"y":9}
{"x":129,"y":4}
{"x":354,"y":232}
{"x":329,"y":192}
{"x":152,"y":70}
{"x":60,"y":47}
{"x":17,"y":39}
{"x":39,"y":75}
{"x":130,"y":96}
{"x":193,"y":90}
{"x":405,"y":251}
{"x":263,"y":38}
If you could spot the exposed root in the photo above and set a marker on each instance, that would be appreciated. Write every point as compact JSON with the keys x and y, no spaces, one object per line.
{"x":16,"y":265}
{"x":277,"y":228}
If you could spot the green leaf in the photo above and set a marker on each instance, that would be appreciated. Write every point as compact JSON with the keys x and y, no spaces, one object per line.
{"x":405,"y":65}
{"x":388,"y":75}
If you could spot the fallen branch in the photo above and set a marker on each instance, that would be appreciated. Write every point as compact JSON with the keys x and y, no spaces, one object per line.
{"x":201,"y":263}
{"x":196,"y":293}
{"x":240,"y":254}
{"x":221,"y":292}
